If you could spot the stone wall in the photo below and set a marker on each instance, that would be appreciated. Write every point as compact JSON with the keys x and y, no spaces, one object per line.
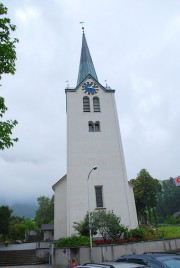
{"x":66,"y":257}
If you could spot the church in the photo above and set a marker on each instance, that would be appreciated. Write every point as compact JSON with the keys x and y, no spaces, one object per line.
{"x":96,"y":174}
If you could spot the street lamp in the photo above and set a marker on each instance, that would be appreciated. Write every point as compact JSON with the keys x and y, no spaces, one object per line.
{"x":89,"y":216}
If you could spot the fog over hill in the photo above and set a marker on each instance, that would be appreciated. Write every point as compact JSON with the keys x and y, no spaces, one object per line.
{"x":24,"y":210}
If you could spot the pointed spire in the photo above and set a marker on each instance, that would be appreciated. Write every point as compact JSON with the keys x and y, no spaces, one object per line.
{"x":86,"y":65}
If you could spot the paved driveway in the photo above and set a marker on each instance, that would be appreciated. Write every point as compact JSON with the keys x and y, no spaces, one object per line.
{"x":19,"y":246}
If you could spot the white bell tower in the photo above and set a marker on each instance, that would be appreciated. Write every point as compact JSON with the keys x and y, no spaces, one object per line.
{"x":93,"y":139}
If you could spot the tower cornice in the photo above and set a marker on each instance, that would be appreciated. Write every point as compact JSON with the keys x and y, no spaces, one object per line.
{"x":105,"y":89}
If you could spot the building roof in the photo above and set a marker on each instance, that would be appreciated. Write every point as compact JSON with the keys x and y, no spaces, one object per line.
{"x":63,"y":178}
{"x":176,"y":214}
{"x":86,"y":65}
{"x":47,"y":227}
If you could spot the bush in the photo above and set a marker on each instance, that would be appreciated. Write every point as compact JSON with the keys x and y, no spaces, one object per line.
{"x":107,"y":224}
{"x":135,"y":234}
{"x":120,"y":241}
{"x":143,"y":234}
{"x":82,"y":227}
{"x":73,"y":242}
{"x":172,"y":220}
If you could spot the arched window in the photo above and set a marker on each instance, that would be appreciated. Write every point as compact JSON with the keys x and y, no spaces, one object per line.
{"x":97,"y":126}
{"x":91,"y":126}
{"x":86,"y":104}
{"x":96,"y":104}
{"x":94,"y":127}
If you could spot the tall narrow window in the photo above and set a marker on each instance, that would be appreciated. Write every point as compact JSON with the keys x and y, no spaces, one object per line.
{"x":86,"y":104}
{"x":99,"y":199}
{"x":97,"y":126}
{"x":91,"y":126}
{"x":96,"y":104}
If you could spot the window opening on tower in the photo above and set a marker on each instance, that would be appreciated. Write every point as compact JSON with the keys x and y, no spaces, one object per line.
{"x":86,"y":104}
{"x":91,"y":126}
{"x":99,"y":196}
{"x":94,"y":127}
{"x":96,"y":104}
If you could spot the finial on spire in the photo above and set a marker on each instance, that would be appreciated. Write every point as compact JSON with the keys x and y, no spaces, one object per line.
{"x":82,"y":22}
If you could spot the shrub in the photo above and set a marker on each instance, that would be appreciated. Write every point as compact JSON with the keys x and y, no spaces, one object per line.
{"x":73,"y":242}
{"x":143,"y":234}
{"x":137,"y":234}
{"x":172,"y":220}
{"x":82,"y":227}
{"x":107,"y":224}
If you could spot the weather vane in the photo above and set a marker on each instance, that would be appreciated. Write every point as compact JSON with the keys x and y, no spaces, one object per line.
{"x":106,"y":83}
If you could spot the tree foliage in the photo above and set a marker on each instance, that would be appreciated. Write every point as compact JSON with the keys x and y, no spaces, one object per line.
{"x":19,"y":229}
{"x":7,"y":44}
{"x":106,"y":223}
{"x":82,"y":227}
{"x":7,"y":66}
{"x":5,"y":215}
{"x":6,"y":128}
{"x":45,"y":211}
{"x":146,"y":190}
{"x":168,"y":199}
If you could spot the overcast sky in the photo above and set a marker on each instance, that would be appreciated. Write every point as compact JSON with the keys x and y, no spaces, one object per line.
{"x":134,"y":46}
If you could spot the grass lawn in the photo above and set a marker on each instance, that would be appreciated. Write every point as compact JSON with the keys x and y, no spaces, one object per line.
{"x":171,"y":231}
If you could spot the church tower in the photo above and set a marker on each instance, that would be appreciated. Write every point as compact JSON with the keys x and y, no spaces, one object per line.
{"x":93,"y":140}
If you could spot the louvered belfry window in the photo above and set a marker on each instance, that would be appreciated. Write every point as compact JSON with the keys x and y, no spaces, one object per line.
{"x":96,"y":104}
{"x":86,"y":104}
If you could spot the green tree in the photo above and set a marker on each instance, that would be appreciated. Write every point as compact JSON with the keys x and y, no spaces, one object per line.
{"x":7,"y":66}
{"x":82,"y":227}
{"x":17,"y":231}
{"x":146,"y":190}
{"x":168,"y":199}
{"x":6,"y":128}
{"x":21,"y":227}
{"x":107,"y":224}
{"x":5,"y":215}
{"x":45,"y":211}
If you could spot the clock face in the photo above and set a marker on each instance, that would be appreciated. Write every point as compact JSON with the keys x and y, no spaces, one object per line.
{"x":90,"y":88}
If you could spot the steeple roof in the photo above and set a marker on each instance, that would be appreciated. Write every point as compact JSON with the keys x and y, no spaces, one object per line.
{"x":86,"y":65}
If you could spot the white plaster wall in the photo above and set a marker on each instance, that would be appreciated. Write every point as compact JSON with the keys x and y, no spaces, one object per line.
{"x":60,"y":209}
{"x":102,"y":149}
{"x":48,"y":235}
{"x":132,"y":206}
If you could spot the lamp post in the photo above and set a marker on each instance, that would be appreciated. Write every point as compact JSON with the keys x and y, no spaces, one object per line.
{"x":89,"y":216}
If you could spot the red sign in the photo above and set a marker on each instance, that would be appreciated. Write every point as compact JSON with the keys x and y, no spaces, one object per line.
{"x":177,"y":181}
